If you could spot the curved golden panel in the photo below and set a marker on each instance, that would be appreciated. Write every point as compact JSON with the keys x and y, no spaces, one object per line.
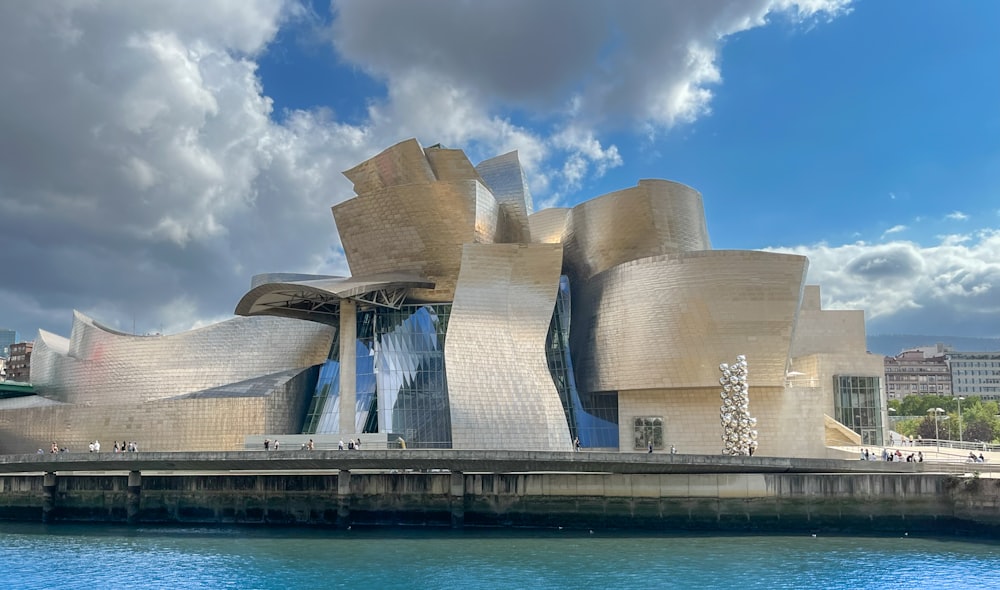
{"x":318,"y":300}
{"x":417,"y":229}
{"x":450,"y":164}
{"x":505,"y":179}
{"x":500,"y":391}
{"x":668,"y":321}
{"x":403,"y":163}
{"x":656,"y":217}
{"x":98,"y":366}
{"x":548,"y":226}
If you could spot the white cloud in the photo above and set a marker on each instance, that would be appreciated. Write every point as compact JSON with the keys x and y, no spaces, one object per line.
{"x":894,"y":230}
{"x":957,"y":216}
{"x":952,"y":287}
{"x":150,"y":179}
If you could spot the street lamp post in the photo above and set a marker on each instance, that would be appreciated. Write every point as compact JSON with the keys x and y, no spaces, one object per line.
{"x":960,"y":398}
{"x":937,"y":436}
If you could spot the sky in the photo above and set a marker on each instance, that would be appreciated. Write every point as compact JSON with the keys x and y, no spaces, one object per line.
{"x":154,"y":156}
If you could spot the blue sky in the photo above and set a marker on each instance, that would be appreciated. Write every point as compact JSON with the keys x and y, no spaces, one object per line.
{"x":156,"y":158}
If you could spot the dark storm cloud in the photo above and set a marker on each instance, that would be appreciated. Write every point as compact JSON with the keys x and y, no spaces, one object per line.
{"x":886,"y":263}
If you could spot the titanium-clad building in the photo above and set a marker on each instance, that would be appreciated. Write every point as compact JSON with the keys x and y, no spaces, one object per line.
{"x":471,"y":322}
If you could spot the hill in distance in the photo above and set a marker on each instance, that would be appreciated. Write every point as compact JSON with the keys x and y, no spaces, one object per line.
{"x":893,"y":344}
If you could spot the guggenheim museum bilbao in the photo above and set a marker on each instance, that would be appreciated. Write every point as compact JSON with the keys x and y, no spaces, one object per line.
{"x":470,"y":321}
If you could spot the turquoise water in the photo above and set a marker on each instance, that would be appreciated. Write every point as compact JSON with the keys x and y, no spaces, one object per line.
{"x":97,"y":557}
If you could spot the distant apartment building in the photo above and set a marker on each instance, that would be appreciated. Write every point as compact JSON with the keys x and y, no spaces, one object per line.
{"x":975,"y":374}
{"x":3,"y":369}
{"x":921,"y":371}
{"x":19,"y":363}
{"x":7,"y":337}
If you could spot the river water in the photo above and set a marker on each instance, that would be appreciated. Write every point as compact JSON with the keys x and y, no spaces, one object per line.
{"x":98,"y":557}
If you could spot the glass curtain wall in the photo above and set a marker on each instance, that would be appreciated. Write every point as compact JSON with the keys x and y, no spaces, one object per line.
{"x":858,"y":406}
{"x":412,"y":388}
{"x":399,"y":378}
{"x":324,"y":409}
{"x":591,"y":418}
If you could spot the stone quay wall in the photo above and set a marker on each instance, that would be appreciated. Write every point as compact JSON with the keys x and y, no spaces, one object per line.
{"x":756,"y":502}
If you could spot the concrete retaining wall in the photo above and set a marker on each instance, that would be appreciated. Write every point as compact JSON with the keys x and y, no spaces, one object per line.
{"x":752,"y":502}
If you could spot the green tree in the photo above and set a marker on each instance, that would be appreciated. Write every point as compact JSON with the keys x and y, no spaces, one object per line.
{"x":908,"y":427}
{"x":918,"y":405}
{"x":980,"y":421}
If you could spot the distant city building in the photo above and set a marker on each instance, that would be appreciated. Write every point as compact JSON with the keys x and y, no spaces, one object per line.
{"x":19,"y":363}
{"x":975,"y":374}
{"x":7,"y":337}
{"x":921,"y":371}
{"x":3,"y":369}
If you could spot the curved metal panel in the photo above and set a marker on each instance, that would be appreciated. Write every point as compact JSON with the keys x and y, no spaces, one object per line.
{"x":501,"y":393}
{"x":403,"y":163}
{"x":417,"y":229}
{"x":505,"y":179}
{"x":286,"y":277}
{"x":667,"y":321}
{"x":656,"y":217}
{"x":211,"y":420}
{"x":450,"y":165}
{"x":102,"y":367}
{"x":548,"y":226}
{"x":318,"y":300}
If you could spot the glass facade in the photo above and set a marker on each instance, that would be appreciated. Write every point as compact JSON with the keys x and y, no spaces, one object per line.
{"x":592,"y":418}
{"x":400,"y":378}
{"x":858,"y":406}
{"x":402,"y":388}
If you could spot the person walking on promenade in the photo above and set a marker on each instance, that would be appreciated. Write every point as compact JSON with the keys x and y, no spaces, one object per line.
{"x":576,"y":444}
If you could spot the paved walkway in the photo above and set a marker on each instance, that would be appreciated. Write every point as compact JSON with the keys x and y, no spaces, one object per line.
{"x":484,"y":461}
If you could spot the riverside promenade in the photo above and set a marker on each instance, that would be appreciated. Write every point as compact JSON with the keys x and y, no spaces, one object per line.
{"x":500,"y":488}
{"x":470,"y":461}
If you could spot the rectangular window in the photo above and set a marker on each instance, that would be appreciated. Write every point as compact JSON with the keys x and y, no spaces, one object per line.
{"x":648,"y":429}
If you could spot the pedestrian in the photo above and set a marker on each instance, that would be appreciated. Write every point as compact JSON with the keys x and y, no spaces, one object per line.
{"x":357,"y":444}
{"x":275,"y":444}
{"x":650,"y":447}
{"x":340,"y":446}
{"x":576,"y":443}
{"x":312,"y":445}
{"x":920,"y":456}
{"x":91,"y":447}
{"x":673,"y":450}
{"x":97,"y":446}
{"x":267,"y":444}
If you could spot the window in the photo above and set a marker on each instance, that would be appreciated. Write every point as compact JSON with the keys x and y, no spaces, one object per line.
{"x":646,"y":429}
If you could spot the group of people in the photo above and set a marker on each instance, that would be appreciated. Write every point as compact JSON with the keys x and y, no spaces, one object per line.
{"x":352,"y":445}
{"x":974,"y":459}
{"x":95,"y":447}
{"x":904,"y":441}
{"x":270,"y":444}
{"x":308,"y":446}
{"x":896,"y":455}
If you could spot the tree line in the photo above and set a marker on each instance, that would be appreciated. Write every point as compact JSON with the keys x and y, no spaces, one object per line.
{"x":979,"y":420}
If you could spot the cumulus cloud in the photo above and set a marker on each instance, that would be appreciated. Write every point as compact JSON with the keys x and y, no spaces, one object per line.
{"x":144,"y":177}
{"x":957,"y":216}
{"x":951,"y":287}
